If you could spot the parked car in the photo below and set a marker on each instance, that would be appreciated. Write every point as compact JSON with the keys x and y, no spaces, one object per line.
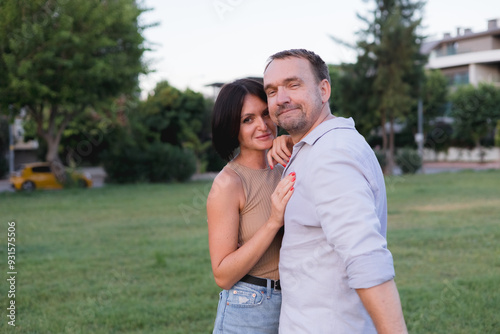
{"x":44,"y":175}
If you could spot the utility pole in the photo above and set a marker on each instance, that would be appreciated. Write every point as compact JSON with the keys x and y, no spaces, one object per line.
{"x":419,"y":136}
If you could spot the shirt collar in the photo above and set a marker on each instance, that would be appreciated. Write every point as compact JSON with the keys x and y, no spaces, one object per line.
{"x":327,"y":126}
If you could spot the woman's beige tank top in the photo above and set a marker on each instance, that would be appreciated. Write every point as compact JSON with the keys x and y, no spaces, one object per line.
{"x":258,"y":185}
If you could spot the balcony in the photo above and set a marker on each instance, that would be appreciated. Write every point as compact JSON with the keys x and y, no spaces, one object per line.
{"x":462,"y":59}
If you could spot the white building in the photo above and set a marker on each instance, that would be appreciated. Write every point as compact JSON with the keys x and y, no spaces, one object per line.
{"x":468,"y":57}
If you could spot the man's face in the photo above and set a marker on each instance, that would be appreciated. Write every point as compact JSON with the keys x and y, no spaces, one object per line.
{"x":294,"y":96}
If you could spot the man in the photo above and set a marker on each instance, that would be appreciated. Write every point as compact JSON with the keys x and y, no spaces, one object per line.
{"x":335,"y":269}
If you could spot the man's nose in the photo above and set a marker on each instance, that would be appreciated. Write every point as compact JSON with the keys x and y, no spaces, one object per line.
{"x":282,"y":96}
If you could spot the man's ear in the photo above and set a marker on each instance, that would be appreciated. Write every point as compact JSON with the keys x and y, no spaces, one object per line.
{"x":325,"y":90}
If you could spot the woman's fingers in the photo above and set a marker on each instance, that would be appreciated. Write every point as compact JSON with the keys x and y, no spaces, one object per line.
{"x":285,"y":187}
{"x":282,"y":153}
{"x":281,"y":157}
{"x":279,"y":152}
{"x":280,"y":197}
{"x":284,"y":146}
{"x":276,"y":156}
{"x":287,"y":196}
{"x":270,"y":159}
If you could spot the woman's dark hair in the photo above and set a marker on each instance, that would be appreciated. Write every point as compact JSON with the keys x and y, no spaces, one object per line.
{"x":226,"y":116}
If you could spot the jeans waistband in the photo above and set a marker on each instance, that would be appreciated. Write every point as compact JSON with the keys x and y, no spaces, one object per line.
{"x":261,"y":281}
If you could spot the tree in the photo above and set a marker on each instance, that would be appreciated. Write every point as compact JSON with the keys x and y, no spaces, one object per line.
{"x":61,"y":58}
{"x":4,"y":145}
{"x":336,"y":94}
{"x":434,"y":95}
{"x":389,"y":49}
{"x":497,"y":134}
{"x":134,"y":151}
{"x":178,"y":118}
{"x":354,"y":94}
{"x":475,"y":111}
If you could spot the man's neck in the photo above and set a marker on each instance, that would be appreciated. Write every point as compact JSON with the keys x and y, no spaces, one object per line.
{"x":322,"y":118}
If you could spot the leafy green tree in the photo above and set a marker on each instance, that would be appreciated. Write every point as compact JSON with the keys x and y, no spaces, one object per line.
{"x":62,"y":58}
{"x":497,"y":134}
{"x":355,"y":99}
{"x":389,"y":50}
{"x":434,"y":95}
{"x":83,"y":141}
{"x":134,"y":154}
{"x":476,"y":111}
{"x":179,"y":118}
{"x":335,"y":72}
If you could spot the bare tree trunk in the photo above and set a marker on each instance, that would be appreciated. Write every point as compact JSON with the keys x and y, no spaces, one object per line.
{"x":52,"y":149}
{"x":52,"y":134}
{"x":384,"y":141}
{"x":482,"y":153}
{"x":390,"y":155}
{"x":59,"y":171}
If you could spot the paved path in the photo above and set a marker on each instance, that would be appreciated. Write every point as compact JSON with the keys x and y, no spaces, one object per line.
{"x":438,"y":167}
{"x":98,"y":174}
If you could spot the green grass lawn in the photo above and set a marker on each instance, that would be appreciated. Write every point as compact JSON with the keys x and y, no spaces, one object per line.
{"x":134,"y":259}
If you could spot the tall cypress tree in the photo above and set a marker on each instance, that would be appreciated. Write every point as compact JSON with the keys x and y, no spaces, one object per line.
{"x":389,"y":48}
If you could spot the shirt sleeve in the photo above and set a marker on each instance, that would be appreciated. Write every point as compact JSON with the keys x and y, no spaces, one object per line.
{"x":345,"y":205}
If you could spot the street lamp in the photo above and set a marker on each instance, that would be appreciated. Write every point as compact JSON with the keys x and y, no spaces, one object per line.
{"x":419,"y":136}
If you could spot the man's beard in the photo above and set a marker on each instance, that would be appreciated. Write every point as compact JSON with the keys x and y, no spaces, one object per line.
{"x":300,"y":122}
{"x":292,"y":124}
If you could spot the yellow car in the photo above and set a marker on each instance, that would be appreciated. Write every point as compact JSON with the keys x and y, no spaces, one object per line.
{"x":44,"y":175}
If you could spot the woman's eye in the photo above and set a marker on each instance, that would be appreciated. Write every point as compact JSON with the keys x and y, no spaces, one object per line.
{"x":246,"y":120}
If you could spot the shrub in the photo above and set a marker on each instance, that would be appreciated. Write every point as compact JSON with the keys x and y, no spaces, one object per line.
{"x":158,"y":162}
{"x":183,"y":164}
{"x":408,"y":160}
{"x":125,"y":163}
{"x":170,"y":163}
{"x":439,"y":138}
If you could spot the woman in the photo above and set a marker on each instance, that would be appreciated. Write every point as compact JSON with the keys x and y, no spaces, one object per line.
{"x":245,"y":209}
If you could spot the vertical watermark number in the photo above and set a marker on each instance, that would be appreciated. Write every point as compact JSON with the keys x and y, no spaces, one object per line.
{"x":11,"y":272}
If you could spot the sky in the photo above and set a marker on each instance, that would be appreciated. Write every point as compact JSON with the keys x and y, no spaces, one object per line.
{"x":199,"y":42}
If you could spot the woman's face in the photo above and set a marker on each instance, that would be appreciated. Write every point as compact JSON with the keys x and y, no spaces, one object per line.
{"x":257,"y":130}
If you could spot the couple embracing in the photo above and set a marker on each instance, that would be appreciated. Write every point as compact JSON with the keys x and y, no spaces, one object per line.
{"x":297,"y":223}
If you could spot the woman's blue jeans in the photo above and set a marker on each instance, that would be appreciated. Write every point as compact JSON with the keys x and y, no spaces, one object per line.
{"x":248,"y":308}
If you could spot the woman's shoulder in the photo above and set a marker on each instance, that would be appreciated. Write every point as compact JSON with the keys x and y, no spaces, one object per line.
{"x":227,"y":176}
{"x":227,"y":182}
